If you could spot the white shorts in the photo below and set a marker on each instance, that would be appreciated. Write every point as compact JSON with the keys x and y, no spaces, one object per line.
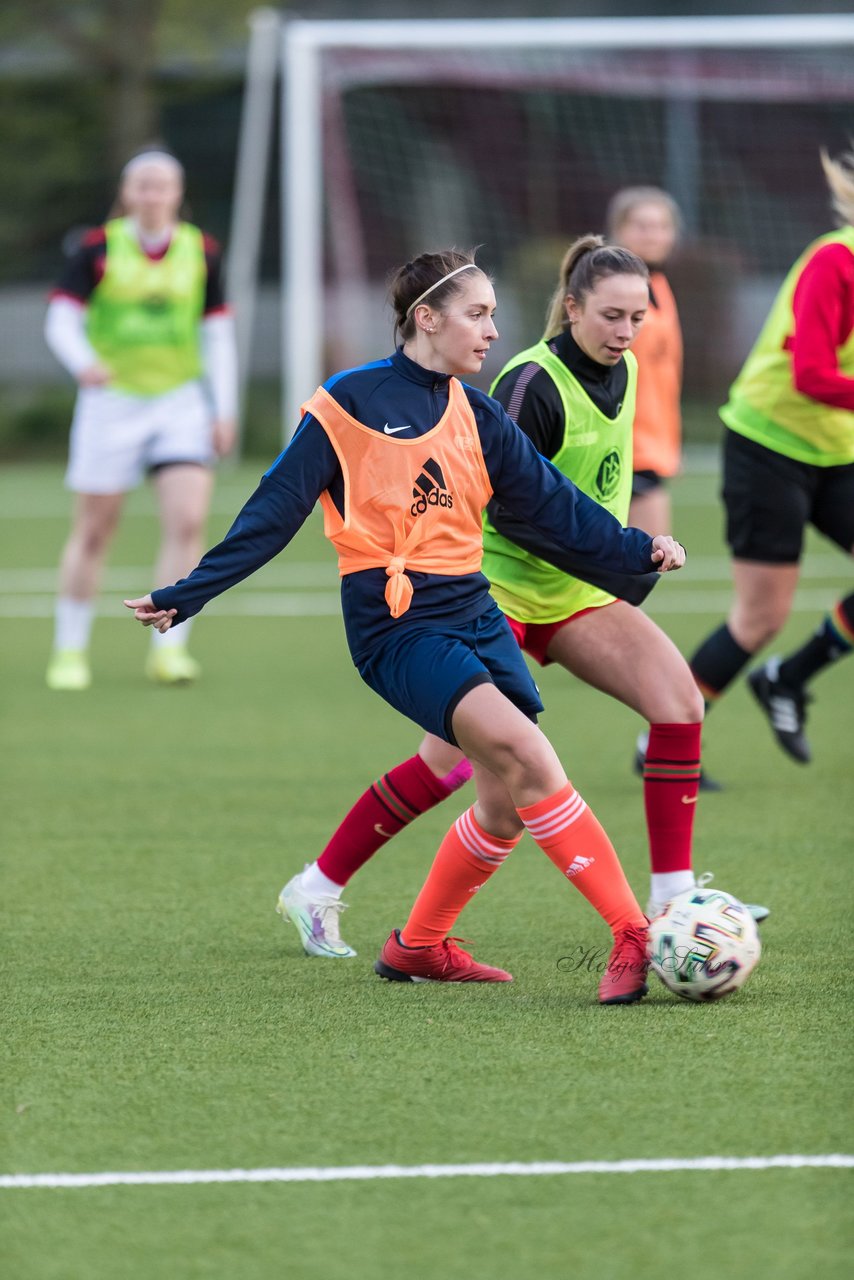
{"x":116,"y":437}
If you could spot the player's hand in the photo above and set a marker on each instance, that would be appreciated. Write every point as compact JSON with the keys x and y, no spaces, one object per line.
{"x":96,"y":375}
{"x":667,"y":553}
{"x":145,"y":612}
{"x":224,"y":436}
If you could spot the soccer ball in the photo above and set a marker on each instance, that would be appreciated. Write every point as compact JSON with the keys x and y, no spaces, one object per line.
{"x":705,"y":944}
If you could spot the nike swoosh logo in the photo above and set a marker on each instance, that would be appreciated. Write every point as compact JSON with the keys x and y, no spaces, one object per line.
{"x":385,"y":834}
{"x":392,"y":431}
{"x":689,"y":799}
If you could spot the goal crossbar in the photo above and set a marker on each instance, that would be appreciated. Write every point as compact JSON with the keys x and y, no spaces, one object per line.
{"x":304,"y":43}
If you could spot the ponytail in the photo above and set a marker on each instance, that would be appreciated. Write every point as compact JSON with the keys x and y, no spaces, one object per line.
{"x":587,"y":261}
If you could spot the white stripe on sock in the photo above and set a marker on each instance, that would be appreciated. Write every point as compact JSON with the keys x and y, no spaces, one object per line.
{"x":477,"y":842}
{"x":549,"y":824}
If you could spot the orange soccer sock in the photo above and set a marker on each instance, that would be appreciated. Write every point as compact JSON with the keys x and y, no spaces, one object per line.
{"x":466,"y":858}
{"x":575,"y":841}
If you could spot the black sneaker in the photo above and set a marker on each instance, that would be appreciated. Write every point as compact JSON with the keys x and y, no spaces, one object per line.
{"x":785,"y":707}
{"x":706,"y":783}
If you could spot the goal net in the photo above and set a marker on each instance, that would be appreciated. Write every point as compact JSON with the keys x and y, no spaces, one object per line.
{"x":513,"y":136}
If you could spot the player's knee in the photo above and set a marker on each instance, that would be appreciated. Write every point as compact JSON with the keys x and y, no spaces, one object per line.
{"x":498,"y":819}
{"x":93,"y":537}
{"x":525,"y":761}
{"x":692,"y":706}
{"x":185,"y":528}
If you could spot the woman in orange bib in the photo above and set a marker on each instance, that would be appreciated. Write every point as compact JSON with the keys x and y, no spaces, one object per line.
{"x":646,"y":221}
{"x":404,"y":458}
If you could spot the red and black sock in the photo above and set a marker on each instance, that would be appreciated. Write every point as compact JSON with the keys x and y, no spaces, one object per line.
{"x":389,"y":805}
{"x":671,"y":780}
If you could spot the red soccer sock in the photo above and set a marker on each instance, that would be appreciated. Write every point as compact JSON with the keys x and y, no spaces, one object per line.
{"x":671,"y":781}
{"x":575,"y":841}
{"x":389,"y":805}
{"x":466,"y":858}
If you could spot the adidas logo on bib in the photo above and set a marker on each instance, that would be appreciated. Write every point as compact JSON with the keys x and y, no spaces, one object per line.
{"x":430,"y":489}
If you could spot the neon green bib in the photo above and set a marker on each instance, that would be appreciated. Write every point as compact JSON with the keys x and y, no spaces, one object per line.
{"x":143,"y":316}
{"x":596,"y":454}
{"x":763,"y":403}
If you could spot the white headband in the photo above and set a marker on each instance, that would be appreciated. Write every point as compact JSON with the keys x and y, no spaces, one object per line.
{"x":456,"y":271}
{"x":153,"y":157}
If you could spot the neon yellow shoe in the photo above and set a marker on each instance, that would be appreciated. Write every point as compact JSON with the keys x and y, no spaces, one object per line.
{"x":171,"y":664}
{"x":68,"y":669}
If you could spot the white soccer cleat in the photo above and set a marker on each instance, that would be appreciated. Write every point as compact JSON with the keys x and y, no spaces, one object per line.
{"x":656,"y":907}
{"x":316,"y":921}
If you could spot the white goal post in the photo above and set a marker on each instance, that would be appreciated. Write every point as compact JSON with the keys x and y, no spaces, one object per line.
{"x":306,"y":43}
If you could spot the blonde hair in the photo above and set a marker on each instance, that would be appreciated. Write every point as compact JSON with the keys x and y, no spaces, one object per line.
{"x":623,"y":204}
{"x":840,"y":180}
{"x":584,"y":264}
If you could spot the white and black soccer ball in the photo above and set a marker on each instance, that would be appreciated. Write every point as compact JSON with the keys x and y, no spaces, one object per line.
{"x":705,"y":944}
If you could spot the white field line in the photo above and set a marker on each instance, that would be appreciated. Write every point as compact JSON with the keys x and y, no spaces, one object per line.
{"x":307,"y":574}
{"x":282,"y":575}
{"x":309,"y":589}
{"x":371,"y":1173}
{"x":318,"y":605}
{"x":262,"y":604}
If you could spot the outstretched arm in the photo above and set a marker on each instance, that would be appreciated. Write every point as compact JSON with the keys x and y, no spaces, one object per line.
{"x":534,"y":490}
{"x":267,"y":523}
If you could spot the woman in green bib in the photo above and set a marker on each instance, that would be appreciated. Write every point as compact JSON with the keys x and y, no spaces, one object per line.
{"x":139,"y":320}
{"x":789,"y":462}
{"x":573,"y":394}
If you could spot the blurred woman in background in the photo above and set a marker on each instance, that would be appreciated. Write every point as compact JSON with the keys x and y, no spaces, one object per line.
{"x":139,"y":319}
{"x":646,"y":221}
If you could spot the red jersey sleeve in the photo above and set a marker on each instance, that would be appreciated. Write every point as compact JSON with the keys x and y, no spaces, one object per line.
{"x":823,"y":305}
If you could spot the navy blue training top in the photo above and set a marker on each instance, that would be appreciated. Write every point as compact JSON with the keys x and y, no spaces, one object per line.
{"x":409,"y":400}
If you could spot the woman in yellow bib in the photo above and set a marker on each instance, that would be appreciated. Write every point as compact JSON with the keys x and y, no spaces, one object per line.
{"x":139,"y":320}
{"x":789,"y":462}
{"x":404,"y":458}
{"x":573,"y":396}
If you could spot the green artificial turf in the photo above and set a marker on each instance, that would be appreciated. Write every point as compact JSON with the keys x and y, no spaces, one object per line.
{"x":157,"y":1014}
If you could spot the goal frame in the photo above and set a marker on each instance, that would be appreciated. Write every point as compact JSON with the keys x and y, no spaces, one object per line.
{"x":304,"y":41}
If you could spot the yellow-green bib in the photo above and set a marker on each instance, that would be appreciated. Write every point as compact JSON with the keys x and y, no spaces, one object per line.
{"x":143,"y":316}
{"x":763,"y":402}
{"x":596,"y":454}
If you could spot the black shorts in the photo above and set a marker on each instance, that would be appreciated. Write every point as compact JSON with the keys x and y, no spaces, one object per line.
{"x":644,"y":482}
{"x":770,"y":499}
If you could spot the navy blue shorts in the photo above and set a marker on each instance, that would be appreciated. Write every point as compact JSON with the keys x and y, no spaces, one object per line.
{"x":424,"y":671}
